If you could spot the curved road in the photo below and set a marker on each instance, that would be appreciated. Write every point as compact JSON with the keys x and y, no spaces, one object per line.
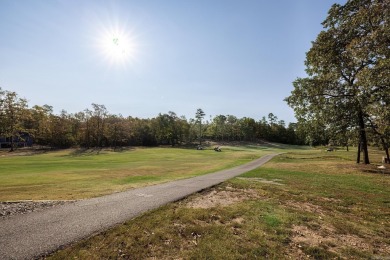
{"x":29,"y":236}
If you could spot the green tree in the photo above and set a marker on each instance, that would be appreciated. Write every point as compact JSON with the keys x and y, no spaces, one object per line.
{"x":12,"y":112}
{"x":40,"y":125}
{"x":217,"y":127}
{"x":263,"y":129}
{"x":142,"y":132}
{"x":183,"y":129}
{"x":199,"y":115}
{"x":272,"y":119}
{"x":248,"y":128}
{"x":116,"y":130}
{"x":167,"y":128}
{"x":61,"y":130}
{"x":99,"y":114}
{"x":340,"y":63}
{"x":2,"y":115}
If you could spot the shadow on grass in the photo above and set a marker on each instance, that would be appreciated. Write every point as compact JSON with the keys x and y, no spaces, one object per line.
{"x":377,"y":171}
{"x":85,"y":152}
{"x":29,"y":151}
{"x":98,"y":150}
{"x":324,"y":157}
{"x":123,"y":149}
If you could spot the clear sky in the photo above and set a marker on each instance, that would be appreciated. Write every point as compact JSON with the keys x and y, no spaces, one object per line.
{"x":141,"y":58}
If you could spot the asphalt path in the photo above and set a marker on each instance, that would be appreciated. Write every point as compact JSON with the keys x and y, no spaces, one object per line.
{"x":38,"y":233}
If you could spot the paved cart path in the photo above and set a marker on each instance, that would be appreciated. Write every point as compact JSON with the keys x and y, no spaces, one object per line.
{"x":34,"y":234}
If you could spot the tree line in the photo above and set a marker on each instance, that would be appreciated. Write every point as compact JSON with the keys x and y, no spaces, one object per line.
{"x":344,"y":100}
{"x":96,"y":127}
{"x":346,"y":95}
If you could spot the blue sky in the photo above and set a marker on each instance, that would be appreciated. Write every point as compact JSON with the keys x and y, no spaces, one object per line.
{"x":226,"y":57}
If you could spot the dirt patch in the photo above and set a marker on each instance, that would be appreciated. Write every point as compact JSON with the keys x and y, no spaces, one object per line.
{"x":273,"y":181}
{"x":215,"y":197}
{"x":238,"y":220}
{"x":332,"y":200}
{"x":319,"y":234}
{"x":305,"y":206}
{"x":326,"y":237}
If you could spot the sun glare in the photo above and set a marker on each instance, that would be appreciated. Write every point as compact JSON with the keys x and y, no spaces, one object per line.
{"x":117,"y":47}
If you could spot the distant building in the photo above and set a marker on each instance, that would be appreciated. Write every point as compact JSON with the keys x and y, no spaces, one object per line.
{"x":23,"y":140}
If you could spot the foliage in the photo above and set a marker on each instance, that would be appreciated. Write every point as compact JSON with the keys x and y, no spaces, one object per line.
{"x":199,"y":115}
{"x":346,"y":92}
{"x":11,"y":115}
{"x":96,"y":127}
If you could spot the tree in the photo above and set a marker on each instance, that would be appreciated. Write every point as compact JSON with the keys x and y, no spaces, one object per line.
{"x":217,"y":128}
{"x":99,"y":115}
{"x":40,"y":125}
{"x":167,"y":128}
{"x":2,"y":112}
{"x":263,"y":129}
{"x":199,"y":116}
{"x":87,"y":117}
{"x":340,"y":66}
{"x":116,"y":130}
{"x":183,"y":129}
{"x":12,"y":110}
{"x":61,"y":130}
{"x":272,"y":119}
{"x":142,"y":132}
{"x":248,"y":128}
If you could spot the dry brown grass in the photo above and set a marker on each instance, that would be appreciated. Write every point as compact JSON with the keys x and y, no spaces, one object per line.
{"x":221,"y":197}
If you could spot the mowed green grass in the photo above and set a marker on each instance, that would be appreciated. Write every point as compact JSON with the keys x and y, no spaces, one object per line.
{"x":305,"y":204}
{"x":75,"y":174}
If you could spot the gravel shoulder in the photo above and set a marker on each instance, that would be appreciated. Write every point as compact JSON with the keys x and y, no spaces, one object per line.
{"x":50,"y":225}
{"x":12,"y":208}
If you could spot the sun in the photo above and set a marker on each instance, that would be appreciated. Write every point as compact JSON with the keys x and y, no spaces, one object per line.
{"x":117,"y":46}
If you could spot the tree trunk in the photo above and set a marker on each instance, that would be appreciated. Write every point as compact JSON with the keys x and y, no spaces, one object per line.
{"x":115,"y":136}
{"x":200,"y":133}
{"x":87,"y":135}
{"x":358,"y":153}
{"x":385,"y":148}
{"x":12,"y":144}
{"x":363,"y":138}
